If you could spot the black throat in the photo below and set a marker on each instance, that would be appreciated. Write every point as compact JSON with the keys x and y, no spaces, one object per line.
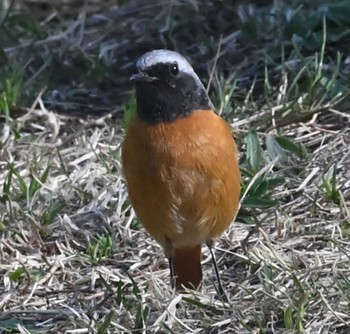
{"x":159,"y":101}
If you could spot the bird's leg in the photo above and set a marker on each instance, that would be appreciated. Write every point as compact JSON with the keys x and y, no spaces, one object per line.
{"x":170,"y":253}
{"x":220,"y":288}
{"x":171,"y":267}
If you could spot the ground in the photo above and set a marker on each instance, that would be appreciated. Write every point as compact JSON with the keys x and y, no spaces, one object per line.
{"x":73,"y":256}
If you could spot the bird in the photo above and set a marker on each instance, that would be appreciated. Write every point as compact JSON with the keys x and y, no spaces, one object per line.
{"x":180,"y":163}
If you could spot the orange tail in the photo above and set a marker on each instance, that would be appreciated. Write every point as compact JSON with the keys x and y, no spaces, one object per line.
{"x":187,"y":266}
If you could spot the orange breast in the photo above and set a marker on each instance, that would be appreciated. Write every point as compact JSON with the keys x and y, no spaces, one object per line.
{"x":183,"y":177}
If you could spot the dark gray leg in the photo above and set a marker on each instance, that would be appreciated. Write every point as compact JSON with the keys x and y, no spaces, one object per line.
{"x":220,"y":289}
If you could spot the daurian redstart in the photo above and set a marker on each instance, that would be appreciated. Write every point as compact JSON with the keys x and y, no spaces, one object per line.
{"x":180,"y":163}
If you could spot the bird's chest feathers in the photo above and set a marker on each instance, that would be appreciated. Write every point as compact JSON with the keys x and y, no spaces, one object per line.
{"x":175,"y":150}
{"x":183,"y":170}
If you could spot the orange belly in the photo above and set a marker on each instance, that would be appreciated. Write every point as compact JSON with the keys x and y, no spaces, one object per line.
{"x":183,"y":178}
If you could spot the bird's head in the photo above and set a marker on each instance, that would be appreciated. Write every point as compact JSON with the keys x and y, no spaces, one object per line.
{"x":167,"y":88}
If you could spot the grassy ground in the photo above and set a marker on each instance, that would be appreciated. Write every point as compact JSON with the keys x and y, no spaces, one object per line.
{"x":73,"y":256}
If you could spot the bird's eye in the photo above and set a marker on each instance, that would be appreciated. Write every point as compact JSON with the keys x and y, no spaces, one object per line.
{"x":174,"y":69}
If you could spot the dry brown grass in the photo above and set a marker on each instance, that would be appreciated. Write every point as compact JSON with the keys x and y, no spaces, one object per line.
{"x":74,"y":258}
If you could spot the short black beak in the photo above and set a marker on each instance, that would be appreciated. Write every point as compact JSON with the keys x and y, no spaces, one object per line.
{"x":142,"y":77}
